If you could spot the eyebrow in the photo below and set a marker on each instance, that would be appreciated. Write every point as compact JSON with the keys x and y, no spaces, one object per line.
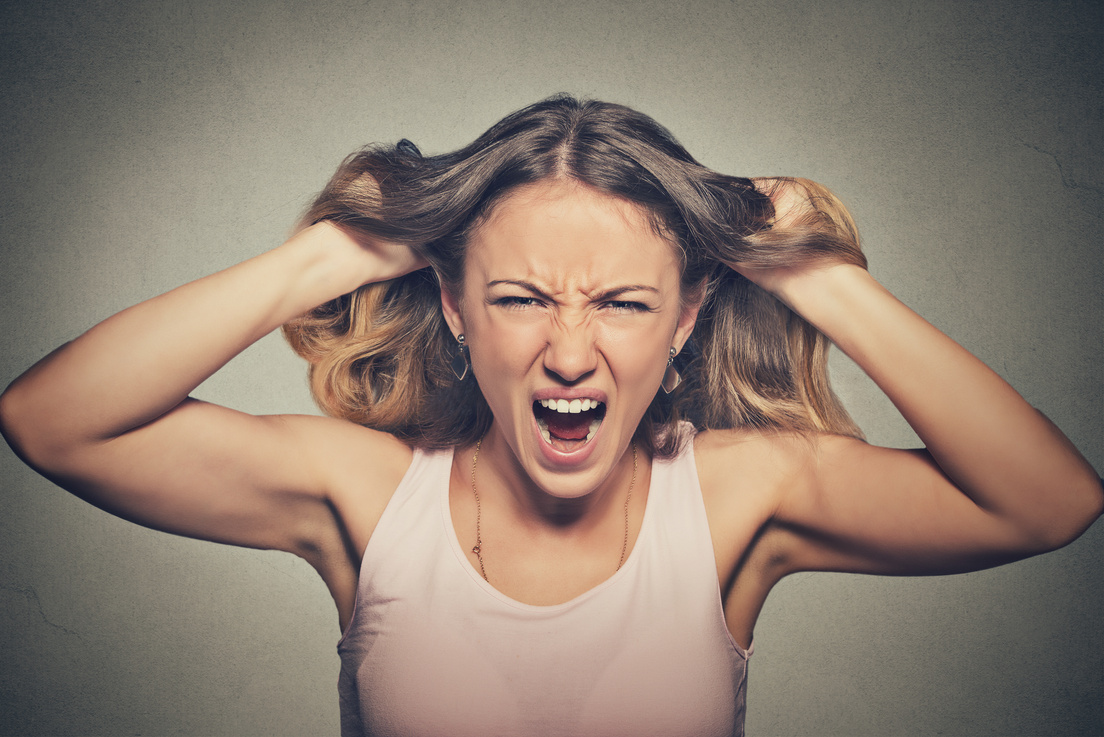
{"x":608,"y":294}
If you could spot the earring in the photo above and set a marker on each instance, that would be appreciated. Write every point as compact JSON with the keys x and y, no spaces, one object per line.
{"x":671,"y":378}
{"x":459,"y":363}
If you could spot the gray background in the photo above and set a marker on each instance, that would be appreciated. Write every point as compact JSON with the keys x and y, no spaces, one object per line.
{"x":146,"y":144}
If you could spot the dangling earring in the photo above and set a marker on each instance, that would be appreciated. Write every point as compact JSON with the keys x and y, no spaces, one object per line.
{"x":459,"y":363}
{"x":671,"y":378}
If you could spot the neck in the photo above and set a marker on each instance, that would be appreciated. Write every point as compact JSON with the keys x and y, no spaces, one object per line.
{"x":502,"y":479}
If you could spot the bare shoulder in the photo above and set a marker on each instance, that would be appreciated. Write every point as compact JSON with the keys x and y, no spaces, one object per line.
{"x":358,"y":468}
{"x":767,"y":472}
{"x":358,"y":471}
{"x":752,"y":464}
{"x":745,"y":476}
{"x":350,"y":458}
{"x":339,"y":445}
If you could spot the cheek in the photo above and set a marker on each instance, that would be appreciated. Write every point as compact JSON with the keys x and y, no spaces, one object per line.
{"x":502,"y":354}
{"x":647,"y":339}
{"x":512,"y":340}
{"x":638,"y":358}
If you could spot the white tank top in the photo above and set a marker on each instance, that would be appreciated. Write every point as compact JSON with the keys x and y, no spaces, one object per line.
{"x":433,"y":650}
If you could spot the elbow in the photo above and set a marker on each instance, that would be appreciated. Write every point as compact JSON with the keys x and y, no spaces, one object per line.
{"x":13,"y":422}
{"x":1073,"y":511}
{"x":1091,"y":508}
{"x":22,"y":431}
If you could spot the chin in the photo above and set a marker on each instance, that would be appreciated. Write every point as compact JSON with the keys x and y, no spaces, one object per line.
{"x":570,"y":468}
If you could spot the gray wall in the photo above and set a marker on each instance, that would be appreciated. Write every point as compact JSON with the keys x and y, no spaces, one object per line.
{"x":148,"y":143}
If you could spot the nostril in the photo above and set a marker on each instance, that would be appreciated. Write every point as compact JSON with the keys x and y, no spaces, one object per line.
{"x":570,"y":356}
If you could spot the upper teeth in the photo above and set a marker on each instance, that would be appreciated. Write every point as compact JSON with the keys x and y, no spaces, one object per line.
{"x":573,"y":406}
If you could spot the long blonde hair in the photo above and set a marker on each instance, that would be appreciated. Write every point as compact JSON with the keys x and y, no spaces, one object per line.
{"x":380,"y":355}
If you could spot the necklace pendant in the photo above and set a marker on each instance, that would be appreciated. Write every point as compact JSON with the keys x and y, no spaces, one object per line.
{"x":477,"y":549}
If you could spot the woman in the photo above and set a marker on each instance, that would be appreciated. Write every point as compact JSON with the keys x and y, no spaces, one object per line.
{"x":580,"y":426}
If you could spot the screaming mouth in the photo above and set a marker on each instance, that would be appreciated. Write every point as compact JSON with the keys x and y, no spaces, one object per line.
{"x":567,"y":424}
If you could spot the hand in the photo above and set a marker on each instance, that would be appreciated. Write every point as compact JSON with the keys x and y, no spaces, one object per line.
{"x":812,"y":234}
{"x":361,"y":259}
{"x":790,"y":197}
{"x":787,"y":283}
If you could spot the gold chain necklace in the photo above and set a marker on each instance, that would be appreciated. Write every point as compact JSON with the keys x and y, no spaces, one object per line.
{"x":478,"y":549}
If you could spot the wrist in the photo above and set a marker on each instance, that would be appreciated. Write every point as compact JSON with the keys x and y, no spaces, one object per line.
{"x":850,"y":306}
{"x":817,"y":291}
{"x":325,"y":263}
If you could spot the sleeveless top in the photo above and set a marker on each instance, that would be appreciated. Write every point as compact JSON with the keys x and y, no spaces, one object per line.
{"x":433,"y":650}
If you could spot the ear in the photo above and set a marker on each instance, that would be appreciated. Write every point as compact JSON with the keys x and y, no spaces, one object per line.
{"x":688,"y":317}
{"x":450,"y":308}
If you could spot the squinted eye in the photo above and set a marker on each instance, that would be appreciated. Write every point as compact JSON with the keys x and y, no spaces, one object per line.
{"x":517,"y":302}
{"x":624,"y":306}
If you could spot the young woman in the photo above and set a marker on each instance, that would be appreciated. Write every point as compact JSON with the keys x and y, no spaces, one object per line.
{"x":579,"y":426}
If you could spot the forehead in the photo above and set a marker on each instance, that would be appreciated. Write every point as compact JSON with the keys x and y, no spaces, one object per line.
{"x":568,"y":235}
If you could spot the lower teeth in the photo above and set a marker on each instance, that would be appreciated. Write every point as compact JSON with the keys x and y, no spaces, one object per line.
{"x":548,"y":435}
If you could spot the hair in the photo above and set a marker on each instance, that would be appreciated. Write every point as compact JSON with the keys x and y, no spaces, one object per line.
{"x":380,"y":355}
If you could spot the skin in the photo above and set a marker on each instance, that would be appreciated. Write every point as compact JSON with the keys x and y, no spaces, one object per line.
{"x":567,"y":293}
{"x":543,"y":310}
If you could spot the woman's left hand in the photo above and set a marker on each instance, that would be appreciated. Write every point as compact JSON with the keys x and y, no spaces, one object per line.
{"x":794,"y":209}
{"x":788,"y":283}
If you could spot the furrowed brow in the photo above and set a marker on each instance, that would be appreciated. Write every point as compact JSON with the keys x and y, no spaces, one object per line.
{"x":609,"y":294}
{"x":616,"y":292}
{"x":530,"y":286}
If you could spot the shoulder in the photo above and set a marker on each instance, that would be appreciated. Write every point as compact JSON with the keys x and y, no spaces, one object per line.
{"x":744,"y":476}
{"x":343,"y":455}
{"x":750,"y":474}
{"x":747,"y":477}
{"x":770,"y":455}
{"x":357,"y":471}
{"x":754,"y":462}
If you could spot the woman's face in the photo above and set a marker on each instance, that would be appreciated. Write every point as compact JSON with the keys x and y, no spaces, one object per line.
{"x":570,"y":307}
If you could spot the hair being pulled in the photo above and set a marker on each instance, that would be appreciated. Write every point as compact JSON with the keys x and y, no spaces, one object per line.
{"x":380,"y":355}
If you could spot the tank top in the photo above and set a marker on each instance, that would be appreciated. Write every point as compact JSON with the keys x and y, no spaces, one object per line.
{"x":434,"y":650}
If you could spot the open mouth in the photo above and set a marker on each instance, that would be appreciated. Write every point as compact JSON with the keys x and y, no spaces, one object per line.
{"x":568,"y":424}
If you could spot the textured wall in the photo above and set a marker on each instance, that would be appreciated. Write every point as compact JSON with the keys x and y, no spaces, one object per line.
{"x":147,"y":143}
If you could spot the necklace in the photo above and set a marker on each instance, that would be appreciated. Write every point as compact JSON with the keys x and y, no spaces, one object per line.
{"x":478,"y":549}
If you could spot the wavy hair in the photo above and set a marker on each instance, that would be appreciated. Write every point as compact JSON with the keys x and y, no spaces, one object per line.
{"x":379,"y":356}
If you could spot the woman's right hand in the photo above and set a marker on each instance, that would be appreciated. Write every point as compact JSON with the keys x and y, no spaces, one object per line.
{"x":368,"y":259}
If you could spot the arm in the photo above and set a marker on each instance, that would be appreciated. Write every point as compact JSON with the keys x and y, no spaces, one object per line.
{"x":996,"y":482}
{"x":107,"y":415}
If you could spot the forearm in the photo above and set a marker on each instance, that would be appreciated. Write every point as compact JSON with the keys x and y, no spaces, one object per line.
{"x":139,"y":364}
{"x":991,"y":443}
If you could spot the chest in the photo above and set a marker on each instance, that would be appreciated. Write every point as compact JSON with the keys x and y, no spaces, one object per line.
{"x":435,"y":649}
{"x":422,"y":672}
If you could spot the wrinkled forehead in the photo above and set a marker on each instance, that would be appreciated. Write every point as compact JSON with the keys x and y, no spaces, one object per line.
{"x":567,"y":234}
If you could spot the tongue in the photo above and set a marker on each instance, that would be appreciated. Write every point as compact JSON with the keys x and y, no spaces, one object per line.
{"x":568,"y":426}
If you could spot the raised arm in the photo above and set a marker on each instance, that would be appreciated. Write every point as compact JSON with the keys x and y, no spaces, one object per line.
{"x":108,"y":417}
{"x":997,"y":479}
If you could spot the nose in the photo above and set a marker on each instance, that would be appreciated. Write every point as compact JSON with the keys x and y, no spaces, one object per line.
{"x":571,"y":353}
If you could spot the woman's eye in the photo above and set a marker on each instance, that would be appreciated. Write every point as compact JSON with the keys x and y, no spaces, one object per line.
{"x":623,"y":306}
{"x":517,"y":302}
